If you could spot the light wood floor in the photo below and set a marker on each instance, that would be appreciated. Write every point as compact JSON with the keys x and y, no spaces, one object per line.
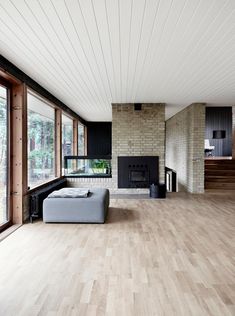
{"x":153,"y":257}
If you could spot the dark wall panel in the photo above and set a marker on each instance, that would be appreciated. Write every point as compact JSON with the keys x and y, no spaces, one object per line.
{"x":219,"y":118}
{"x":99,"y":138}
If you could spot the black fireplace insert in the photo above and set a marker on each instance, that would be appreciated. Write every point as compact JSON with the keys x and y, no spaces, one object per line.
{"x":137,"y":171}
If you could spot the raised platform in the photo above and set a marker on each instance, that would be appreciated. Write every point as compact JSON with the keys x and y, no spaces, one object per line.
{"x":220,"y":173}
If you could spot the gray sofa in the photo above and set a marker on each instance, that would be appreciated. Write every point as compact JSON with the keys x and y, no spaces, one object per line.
{"x":92,"y":209}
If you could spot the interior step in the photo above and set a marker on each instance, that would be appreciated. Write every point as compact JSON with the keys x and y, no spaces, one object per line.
{"x":220,"y":186}
{"x":223,"y":173}
{"x":221,"y":165}
{"x":220,"y":174}
{"x":220,"y":179}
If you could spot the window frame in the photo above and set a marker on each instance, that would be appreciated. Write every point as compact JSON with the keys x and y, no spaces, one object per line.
{"x":57,"y":139}
{"x":6,"y":84}
{"x":56,"y":176}
{"x":84,"y":143}
{"x":18,"y":190}
{"x":72,"y":119}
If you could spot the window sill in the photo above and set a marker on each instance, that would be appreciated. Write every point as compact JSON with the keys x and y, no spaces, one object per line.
{"x":89,"y":177}
{"x":40,"y":186}
{"x":9,"y":231}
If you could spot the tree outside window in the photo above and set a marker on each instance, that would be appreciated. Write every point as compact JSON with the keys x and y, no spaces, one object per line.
{"x":3,"y":155}
{"x":41,"y":139}
{"x":81,"y":139}
{"x":67,"y":137}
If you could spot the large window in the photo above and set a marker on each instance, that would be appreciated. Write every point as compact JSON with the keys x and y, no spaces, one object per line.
{"x":67,"y":137}
{"x":81,"y":139}
{"x":41,"y":141}
{"x":4,"y":215}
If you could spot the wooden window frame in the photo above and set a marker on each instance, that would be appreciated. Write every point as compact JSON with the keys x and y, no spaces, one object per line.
{"x":85,"y":139}
{"x":8,"y":86}
{"x":18,"y":137}
{"x":75,"y":137}
{"x":58,"y":143}
{"x":57,"y":139}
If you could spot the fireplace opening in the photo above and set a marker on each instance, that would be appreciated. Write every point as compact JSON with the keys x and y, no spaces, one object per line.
{"x":137,"y":171}
{"x":139,"y":176}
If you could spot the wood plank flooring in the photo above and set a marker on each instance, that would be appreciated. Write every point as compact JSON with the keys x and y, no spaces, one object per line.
{"x":153,"y":257}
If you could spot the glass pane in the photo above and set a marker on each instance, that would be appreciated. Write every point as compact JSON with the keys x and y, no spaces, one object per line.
{"x":80,"y":167}
{"x":67,"y":137}
{"x":3,"y":156}
{"x":81,"y":140}
{"x":41,"y":139}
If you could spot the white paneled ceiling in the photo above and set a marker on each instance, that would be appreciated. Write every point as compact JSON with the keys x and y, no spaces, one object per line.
{"x":91,"y":53}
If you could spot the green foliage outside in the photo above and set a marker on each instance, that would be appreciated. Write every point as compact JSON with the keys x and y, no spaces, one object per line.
{"x":40,"y":146}
{"x":67,"y":139}
{"x":100,"y":165}
{"x":80,"y":140}
{"x":3,"y":156}
{"x":3,"y":134}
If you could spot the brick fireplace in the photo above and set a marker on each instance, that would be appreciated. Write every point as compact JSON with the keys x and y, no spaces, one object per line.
{"x":136,"y":131}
